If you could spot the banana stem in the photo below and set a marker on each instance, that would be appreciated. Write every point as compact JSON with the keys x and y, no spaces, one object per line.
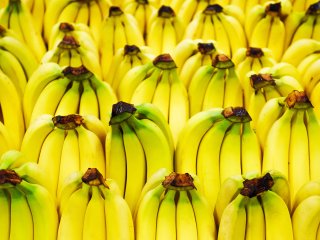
{"x":256,"y":186}
{"x":177,"y":181}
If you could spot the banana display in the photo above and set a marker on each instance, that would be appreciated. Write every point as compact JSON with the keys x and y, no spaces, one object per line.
{"x":159,"y":119}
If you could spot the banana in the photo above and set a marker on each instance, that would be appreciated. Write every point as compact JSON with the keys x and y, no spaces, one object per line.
{"x":292,"y":23}
{"x":190,"y":138}
{"x":251,"y":152}
{"x":206,"y":29}
{"x":305,"y":218}
{"x":92,"y":154}
{"x":133,"y":33}
{"x":83,"y":14}
{"x":94,"y":225}
{"x":166,"y":217}
{"x":280,"y":227}
{"x":147,"y":213}
{"x":253,"y":15}
{"x":233,"y":90}
{"x":120,"y":38}
{"x":185,"y":219}
{"x":207,"y":159}
{"x":299,"y":153}
{"x":279,"y":135}
{"x":221,"y":35}
{"x":69,"y":157}
{"x":95,"y":20}
{"x":309,"y":189}
{"x":115,"y":157}
{"x":37,"y":9}
{"x":170,"y":39}
{"x":195,"y":28}
{"x":135,"y":165}
{"x":5,"y":216}
{"x":255,"y":228}
{"x":281,"y":186}
{"x":73,"y":215}
{"x":313,"y":127}
{"x":21,"y":222}
{"x":69,"y":103}
{"x":230,"y":161}
{"x":156,"y":157}
{"x":277,"y":33}
{"x":49,"y":98}
{"x":43,"y":210}
{"x":233,"y":220}
{"x":88,"y":101}
{"x":260,"y":33}
{"x":154,"y":33}
{"x":305,"y":29}
{"x":315,"y":34}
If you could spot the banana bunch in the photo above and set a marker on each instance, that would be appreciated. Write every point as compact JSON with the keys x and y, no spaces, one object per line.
{"x":158,"y":82}
{"x":165,"y":30}
{"x":78,"y":31}
{"x":215,"y":85}
{"x":265,"y":86}
{"x":289,"y":125}
{"x":142,"y":10}
{"x":37,"y":9}
{"x":69,"y":53}
{"x":17,"y":16}
{"x":173,"y":207}
{"x":57,"y":90}
{"x":301,"y":5}
{"x":252,"y":59}
{"x":90,"y":207}
{"x":28,"y":210}
{"x":305,"y":24}
{"x":63,"y":144}
{"x":190,"y":55}
{"x":138,"y":143}
{"x":256,"y":211}
{"x":118,"y":29}
{"x":11,"y":118}
{"x":125,"y":59}
{"x":264,"y":26}
{"x":220,"y":23}
{"x":305,"y":215}
{"x":16,"y":59}
{"x":216,"y":144}
{"x":89,"y":12}
{"x":186,"y":10}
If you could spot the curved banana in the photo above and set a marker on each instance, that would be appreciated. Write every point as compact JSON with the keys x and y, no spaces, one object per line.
{"x":5,"y":216}
{"x":255,"y":228}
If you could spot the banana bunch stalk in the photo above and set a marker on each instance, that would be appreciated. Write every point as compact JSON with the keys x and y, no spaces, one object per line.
{"x":265,"y":86}
{"x":91,"y":207}
{"x":55,"y":90}
{"x":11,"y":116}
{"x":63,"y":144}
{"x":138,"y":144}
{"x":301,"y":5}
{"x":118,"y":29}
{"x":190,"y":55}
{"x":16,"y":59}
{"x":301,"y":25}
{"x":215,"y":85}
{"x":89,"y":12}
{"x":28,"y":210}
{"x":158,"y":82}
{"x":37,"y":9}
{"x":173,"y":207}
{"x":216,"y":144}
{"x":17,"y":16}
{"x":289,"y":127}
{"x":220,"y":23}
{"x":256,"y":211}
{"x":164,"y":30}
{"x":252,"y":59}
{"x":265,"y":26}
{"x":306,"y":210}
{"x":69,"y":53}
{"x":125,"y":59}
{"x":78,"y":31}
{"x":142,"y":10}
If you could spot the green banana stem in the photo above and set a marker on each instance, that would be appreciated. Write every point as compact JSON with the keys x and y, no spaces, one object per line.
{"x":93,"y":177}
{"x":67,"y":122}
{"x":166,"y":12}
{"x":66,"y":27}
{"x":256,"y":186}
{"x":131,"y":50}
{"x":222,"y":61}
{"x":177,"y":181}
{"x":121,"y":111}
{"x":298,"y":100}
{"x":115,"y":11}
{"x":259,"y":81}
{"x":164,"y":61}
{"x":77,"y":73}
{"x":236,"y":114}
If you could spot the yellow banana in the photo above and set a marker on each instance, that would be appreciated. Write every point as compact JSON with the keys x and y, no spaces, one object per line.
{"x":255,"y":228}
{"x":311,"y":188}
{"x":260,"y":33}
{"x":305,"y":29}
{"x":69,"y":103}
{"x":277,"y":33}
{"x":5,"y":216}
{"x":88,"y":100}
{"x":161,"y":97}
